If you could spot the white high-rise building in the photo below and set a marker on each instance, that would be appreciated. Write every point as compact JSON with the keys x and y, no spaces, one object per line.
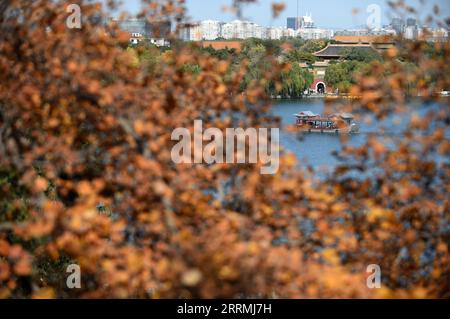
{"x":250,"y":30}
{"x":411,"y":32}
{"x":210,"y":29}
{"x":239,"y":29}
{"x":288,"y":33}
{"x":275,"y":33}
{"x":260,"y":32}
{"x":315,"y":33}
{"x":439,"y":35}
{"x":307,"y":22}
{"x":191,"y":32}
{"x":227,"y":31}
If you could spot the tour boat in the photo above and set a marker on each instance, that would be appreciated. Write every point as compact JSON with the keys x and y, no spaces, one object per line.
{"x":307,"y":121}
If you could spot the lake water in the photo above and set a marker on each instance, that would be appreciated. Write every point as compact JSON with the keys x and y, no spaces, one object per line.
{"x":315,"y":149}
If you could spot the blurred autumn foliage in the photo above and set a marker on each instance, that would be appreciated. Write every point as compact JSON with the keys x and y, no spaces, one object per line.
{"x":86,"y":175}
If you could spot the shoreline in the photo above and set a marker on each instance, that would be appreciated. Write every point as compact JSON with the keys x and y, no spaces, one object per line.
{"x":339,"y":97}
{"x":317,"y":96}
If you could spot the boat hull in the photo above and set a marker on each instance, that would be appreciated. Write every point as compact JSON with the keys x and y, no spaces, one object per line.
{"x":353,"y":129}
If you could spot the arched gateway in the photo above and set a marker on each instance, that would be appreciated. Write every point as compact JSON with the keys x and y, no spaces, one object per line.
{"x":320,"y":88}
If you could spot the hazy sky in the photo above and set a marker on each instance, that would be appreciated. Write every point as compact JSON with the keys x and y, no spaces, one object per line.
{"x":326,"y":13}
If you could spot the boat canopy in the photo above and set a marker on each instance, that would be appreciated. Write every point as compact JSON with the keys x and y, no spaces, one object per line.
{"x":346,"y":116}
{"x":306,"y":114}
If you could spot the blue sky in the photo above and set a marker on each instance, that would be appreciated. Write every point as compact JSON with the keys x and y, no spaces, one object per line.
{"x":326,"y":13}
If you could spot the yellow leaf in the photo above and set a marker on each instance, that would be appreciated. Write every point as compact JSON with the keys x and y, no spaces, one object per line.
{"x":331,"y":256}
{"x":191,"y":277}
{"x":221,"y":89}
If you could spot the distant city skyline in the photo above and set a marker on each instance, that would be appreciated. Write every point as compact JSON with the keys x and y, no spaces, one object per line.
{"x":326,"y":13}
